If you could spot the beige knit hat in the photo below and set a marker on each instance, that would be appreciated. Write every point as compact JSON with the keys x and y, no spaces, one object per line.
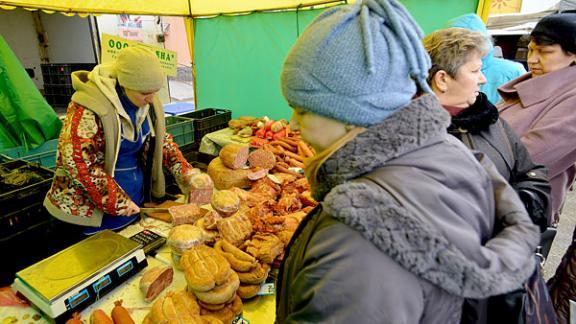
{"x":138,"y":68}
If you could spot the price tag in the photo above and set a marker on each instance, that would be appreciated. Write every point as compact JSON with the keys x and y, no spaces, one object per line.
{"x":267,"y":289}
{"x":240,"y":320}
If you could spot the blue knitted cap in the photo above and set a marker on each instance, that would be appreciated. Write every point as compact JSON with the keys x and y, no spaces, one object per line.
{"x":357,"y":63}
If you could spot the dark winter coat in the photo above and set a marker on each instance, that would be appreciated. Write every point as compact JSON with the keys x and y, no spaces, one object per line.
{"x":404,"y":231}
{"x":479,"y":128}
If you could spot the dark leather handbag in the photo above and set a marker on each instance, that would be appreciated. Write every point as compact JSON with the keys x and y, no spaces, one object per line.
{"x":530,"y":305}
{"x":546,"y":239}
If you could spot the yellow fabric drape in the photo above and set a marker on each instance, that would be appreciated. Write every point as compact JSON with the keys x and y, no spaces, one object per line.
{"x":483,"y":9}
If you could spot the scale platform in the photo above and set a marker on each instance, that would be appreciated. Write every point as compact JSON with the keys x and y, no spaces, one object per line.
{"x":74,"y":278}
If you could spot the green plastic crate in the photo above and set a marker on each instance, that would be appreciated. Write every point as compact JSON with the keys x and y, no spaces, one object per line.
{"x":181,"y":128}
{"x":44,"y":154}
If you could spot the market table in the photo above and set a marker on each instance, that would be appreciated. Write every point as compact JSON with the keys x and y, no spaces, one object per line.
{"x":258,"y":310}
{"x":211,"y":143}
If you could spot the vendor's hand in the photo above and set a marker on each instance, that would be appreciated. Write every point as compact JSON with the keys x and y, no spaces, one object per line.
{"x":130,"y":210}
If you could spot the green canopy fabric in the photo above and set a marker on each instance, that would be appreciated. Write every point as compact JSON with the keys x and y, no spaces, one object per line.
{"x":26,"y":119}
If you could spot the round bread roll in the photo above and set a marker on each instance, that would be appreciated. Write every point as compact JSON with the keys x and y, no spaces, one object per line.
{"x":204,"y":268}
{"x":225,"y":202}
{"x":226,"y":314}
{"x":180,"y":306}
{"x":256,"y":276}
{"x":246,"y":291}
{"x":183,"y":237}
{"x":222,"y":293}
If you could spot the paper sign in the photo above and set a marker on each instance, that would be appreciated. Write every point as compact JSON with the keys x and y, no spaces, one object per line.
{"x":111,"y":45}
{"x":267,"y":289}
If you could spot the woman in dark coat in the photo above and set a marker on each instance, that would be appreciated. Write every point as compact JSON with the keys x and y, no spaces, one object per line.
{"x":455,"y":78}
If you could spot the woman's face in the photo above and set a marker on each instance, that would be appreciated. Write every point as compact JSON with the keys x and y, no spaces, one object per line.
{"x":140,"y":98}
{"x":318,"y":131}
{"x":544,"y":59}
{"x":461,"y":90}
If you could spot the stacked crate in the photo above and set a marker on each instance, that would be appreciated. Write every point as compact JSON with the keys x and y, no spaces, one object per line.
{"x":58,"y":83}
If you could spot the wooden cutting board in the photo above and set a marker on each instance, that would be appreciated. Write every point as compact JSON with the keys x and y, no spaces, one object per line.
{"x":163,"y":216}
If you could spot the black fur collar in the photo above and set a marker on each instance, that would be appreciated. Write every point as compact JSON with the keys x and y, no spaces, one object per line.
{"x":475,"y":118}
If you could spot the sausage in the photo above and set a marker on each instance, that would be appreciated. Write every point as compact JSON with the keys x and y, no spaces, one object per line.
{"x":294,"y":156}
{"x":305,"y":149}
{"x":99,"y":317}
{"x":75,"y":319}
{"x":296,"y":163}
{"x":120,"y":315}
{"x":286,"y":170}
{"x":285,"y":145}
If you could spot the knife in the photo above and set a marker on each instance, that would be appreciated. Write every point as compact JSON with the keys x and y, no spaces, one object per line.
{"x":158,"y":213}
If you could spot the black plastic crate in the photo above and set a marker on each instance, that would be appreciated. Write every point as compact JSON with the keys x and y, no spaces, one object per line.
{"x":56,"y":100}
{"x":59,"y":89}
{"x":23,"y":186}
{"x":59,"y":73}
{"x":208,"y":120}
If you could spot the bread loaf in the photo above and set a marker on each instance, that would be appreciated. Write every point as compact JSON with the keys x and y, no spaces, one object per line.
{"x":222,"y":293}
{"x":235,"y":229}
{"x":179,"y":307}
{"x":204,"y":268}
{"x":226,"y":178}
{"x":246,"y":291}
{"x":228,"y":313}
{"x":225,"y":202}
{"x":155,"y":280}
{"x":234,"y":156}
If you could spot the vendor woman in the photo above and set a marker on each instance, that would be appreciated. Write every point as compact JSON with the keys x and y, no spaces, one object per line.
{"x":114,"y":144}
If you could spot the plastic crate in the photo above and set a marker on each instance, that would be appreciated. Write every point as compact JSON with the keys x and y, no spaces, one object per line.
{"x":178,"y":108}
{"x":57,"y":100}
{"x":44,"y":154}
{"x":208,"y":120}
{"x":181,"y":128}
{"x":59,"y":73}
{"x":59,"y":89}
{"x":21,"y":205}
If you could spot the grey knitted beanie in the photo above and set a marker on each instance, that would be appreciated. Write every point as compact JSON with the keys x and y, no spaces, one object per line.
{"x":357,"y":63}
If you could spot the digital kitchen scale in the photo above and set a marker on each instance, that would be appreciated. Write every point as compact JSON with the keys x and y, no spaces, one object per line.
{"x":74,"y":278}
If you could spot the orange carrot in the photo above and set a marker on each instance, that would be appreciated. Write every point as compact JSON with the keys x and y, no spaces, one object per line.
{"x":120,"y":315}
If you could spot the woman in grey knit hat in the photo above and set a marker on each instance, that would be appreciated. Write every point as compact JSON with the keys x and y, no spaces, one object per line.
{"x":404,"y":230}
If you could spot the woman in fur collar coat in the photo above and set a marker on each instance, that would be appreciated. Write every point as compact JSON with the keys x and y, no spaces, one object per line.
{"x":404,"y":230}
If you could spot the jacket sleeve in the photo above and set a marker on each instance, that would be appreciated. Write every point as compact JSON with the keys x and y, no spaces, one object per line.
{"x":80,"y":146}
{"x":530,"y":181}
{"x":346,"y":279}
{"x":178,"y":166}
{"x":549,"y":139}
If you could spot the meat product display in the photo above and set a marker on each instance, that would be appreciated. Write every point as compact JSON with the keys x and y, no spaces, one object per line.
{"x":234,"y":156}
{"x":235,"y":229}
{"x":261,"y":158}
{"x":257,"y":173}
{"x":307,"y":200}
{"x":267,"y":188}
{"x":265,"y":247}
{"x":250,"y":199}
{"x":99,"y":317}
{"x":226,"y":178}
{"x":204,"y":268}
{"x":120,"y":315}
{"x":201,"y":189}
{"x":186,"y":214}
{"x":222,"y":293}
{"x":211,"y":218}
{"x":225,"y":202}
{"x":183,"y":237}
{"x":163,"y":216}
{"x":288,"y":202}
{"x":155,"y":280}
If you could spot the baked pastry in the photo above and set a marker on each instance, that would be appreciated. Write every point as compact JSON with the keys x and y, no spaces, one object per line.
{"x":228,"y":313}
{"x":179,"y":306}
{"x":235,"y":229}
{"x":204,"y":268}
{"x":238,"y":259}
{"x":247,"y":291}
{"x":225,"y":202}
{"x":185,"y":236}
{"x":222,"y":293}
{"x":256,"y":276}
{"x":155,"y":280}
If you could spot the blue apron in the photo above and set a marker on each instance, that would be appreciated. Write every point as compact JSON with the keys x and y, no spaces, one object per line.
{"x":129,"y":172}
